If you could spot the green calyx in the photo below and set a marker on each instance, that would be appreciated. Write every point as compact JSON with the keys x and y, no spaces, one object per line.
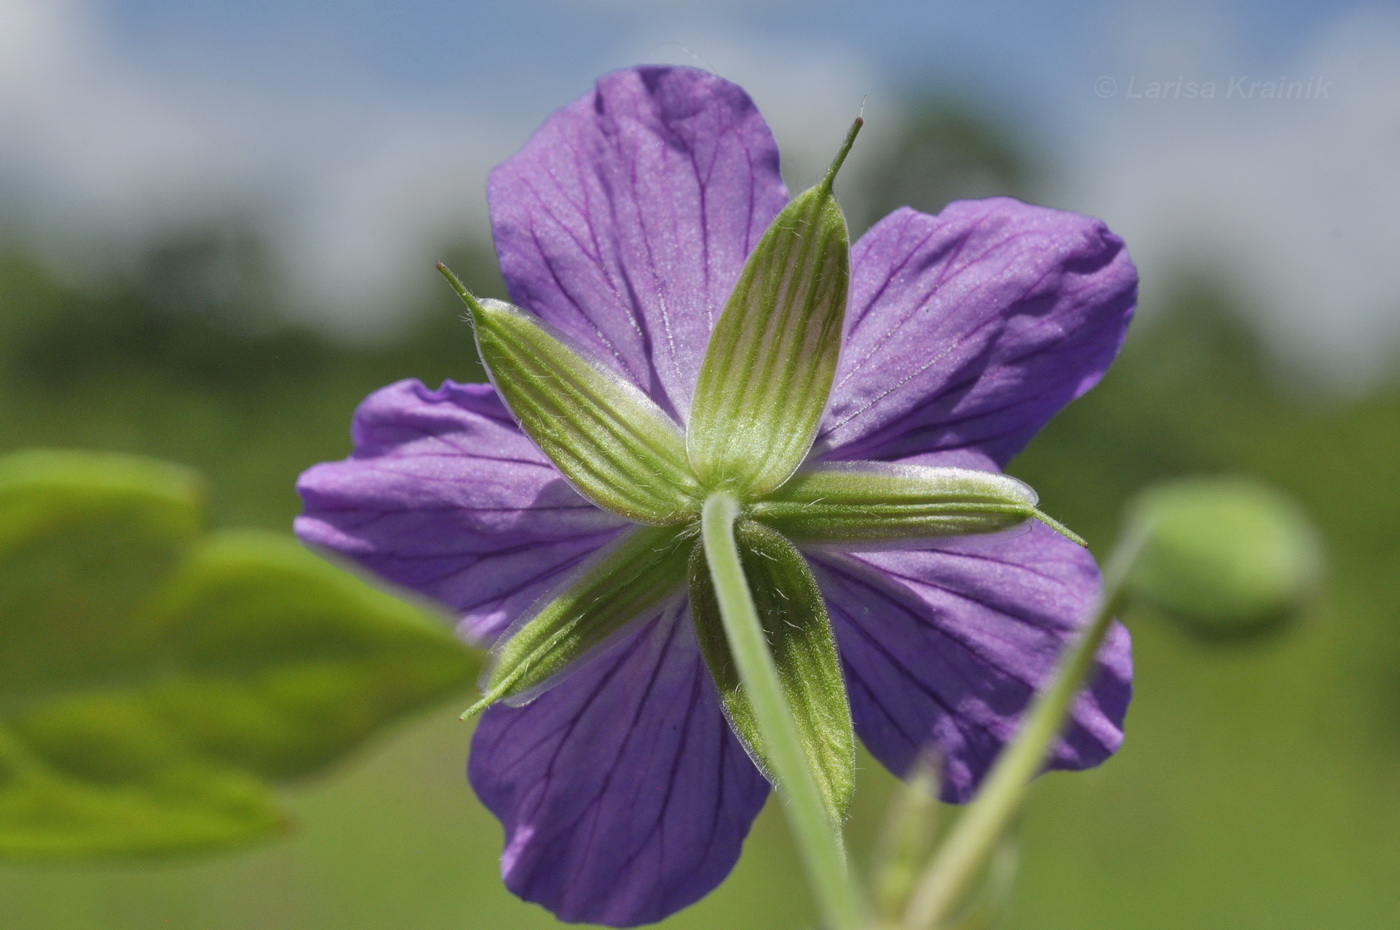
{"x":772,"y":357}
{"x":759,"y":398}
{"x":641,"y":571}
{"x":854,"y":503}
{"x":794,"y":622}
{"x":619,"y":449}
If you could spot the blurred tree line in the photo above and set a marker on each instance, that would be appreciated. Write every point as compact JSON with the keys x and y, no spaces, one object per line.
{"x":1258,"y":787}
{"x":188,"y":356}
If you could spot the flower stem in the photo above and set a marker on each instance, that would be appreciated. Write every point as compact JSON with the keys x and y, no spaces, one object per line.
{"x":976,"y":836}
{"x":818,"y":840}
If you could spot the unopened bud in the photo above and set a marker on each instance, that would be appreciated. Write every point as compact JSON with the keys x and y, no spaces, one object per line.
{"x":1227,"y":557}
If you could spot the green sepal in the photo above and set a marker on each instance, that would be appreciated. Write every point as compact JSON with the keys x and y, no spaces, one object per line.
{"x":154,"y":679}
{"x":875,"y":502}
{"x":768,"y":369}
{"x":636,"y":573}
{"x":795,"y":622}
{"x":611,"y":441}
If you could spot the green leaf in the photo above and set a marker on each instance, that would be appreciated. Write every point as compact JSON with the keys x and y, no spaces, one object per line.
{"x":84,"y":538}
{"x":795,"y":622}
{"x":1227,"y":558}
{"x":871,"y":502}
{"x":638,"y":572}
{"x":97,"y":775}
{"x":151,"y":680}
{"x":282,"y":662}
{"x":609,"y":439}
{"x":769,"y":366}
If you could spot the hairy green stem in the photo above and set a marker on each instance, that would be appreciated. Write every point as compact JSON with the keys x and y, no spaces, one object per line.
{"x":975,"y":837}
{"x":818,"y":841}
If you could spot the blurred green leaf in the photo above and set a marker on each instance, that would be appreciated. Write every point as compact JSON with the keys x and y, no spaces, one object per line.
{"x":98,"y":775}
{"x":285,"y":662}
{"x":150,"y":678}
{"x":84,"y":540}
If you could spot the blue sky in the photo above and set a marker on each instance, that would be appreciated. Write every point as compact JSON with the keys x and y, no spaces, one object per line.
{"x":1040,"y":58}
{"x":358,"y":134}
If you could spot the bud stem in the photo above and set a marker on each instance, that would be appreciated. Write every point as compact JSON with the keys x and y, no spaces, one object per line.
{"x":948,"y":879}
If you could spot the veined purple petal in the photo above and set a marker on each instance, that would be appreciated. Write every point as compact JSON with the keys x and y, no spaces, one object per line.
{"x":972,"y":328}
{"x":944,"y":648}
{"x":626,"y":218}
{"x":623,"y":794}
{"x":446,"y":496}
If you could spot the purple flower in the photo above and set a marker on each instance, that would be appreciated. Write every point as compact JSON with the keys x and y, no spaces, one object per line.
{"x":624,"y":223}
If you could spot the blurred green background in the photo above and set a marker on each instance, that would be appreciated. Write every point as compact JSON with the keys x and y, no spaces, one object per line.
{"x":1260,"y":783}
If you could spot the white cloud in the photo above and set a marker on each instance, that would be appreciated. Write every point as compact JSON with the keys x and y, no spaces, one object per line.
{"x":101,"y":150}
{"x":1296,"y":198}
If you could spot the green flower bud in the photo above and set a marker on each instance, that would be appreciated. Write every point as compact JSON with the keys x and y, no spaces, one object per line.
{"x":1227,"y":558}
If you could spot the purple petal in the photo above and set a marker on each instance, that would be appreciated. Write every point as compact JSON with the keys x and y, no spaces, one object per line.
{"x":627,"y":217}
{"x":623,"y":794}
{"x":945,"y":647}
{"x":972,"y":328}
{"x":445,"y":495}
